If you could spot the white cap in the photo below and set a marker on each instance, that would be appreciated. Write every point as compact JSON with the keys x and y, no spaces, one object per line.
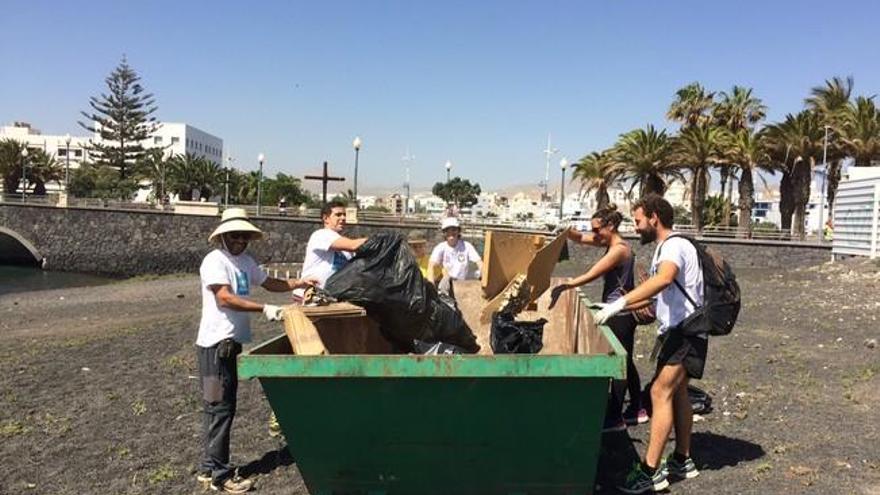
{"x":450,"y":222}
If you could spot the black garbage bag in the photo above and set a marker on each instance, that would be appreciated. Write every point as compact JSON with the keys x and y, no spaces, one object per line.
{"x":384,"y":278}
{"x":509,"y":336}
{"x":439,"y":348}
{"x":701,"y":401}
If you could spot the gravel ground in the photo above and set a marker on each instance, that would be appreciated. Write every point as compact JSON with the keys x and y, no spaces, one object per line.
{"x":97,"y":391}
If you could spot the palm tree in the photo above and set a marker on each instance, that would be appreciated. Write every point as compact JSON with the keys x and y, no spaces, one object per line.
{"x":736,"y":111}
{"x":189,"y":172}
{"x":153,"y":167}
{"x":831,"y":103}
{"x":861,"y":131}
{"x":801,"y":137}
{"x":691,"y":105}
{"x":643,"y":157}
{"x":10,"y":164}
{"x":43,"y":168}
{"x":696,"y":148}
{"x":596,"y":172}
{"x":748,"y":151}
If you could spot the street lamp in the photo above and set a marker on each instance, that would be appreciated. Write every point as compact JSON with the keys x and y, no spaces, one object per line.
{"x":820,"y":233}
{"x":563,"y":164}
{"x":67,"y":164}
{"x":260,"y":158}
{"x":448,"y":169}
{"x":24,"y":154}
{"x":356,"y":144}
{"x":229,"y":160}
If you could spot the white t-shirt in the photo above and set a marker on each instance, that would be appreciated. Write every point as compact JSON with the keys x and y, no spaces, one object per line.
{"x":321,"y":261}
{"x":672,"y":305}
{"x":240,"y":273}
{"x":455,"y":258}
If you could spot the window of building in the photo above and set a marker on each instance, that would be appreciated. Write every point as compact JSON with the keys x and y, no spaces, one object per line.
{"x":157,"y":140}
{"x":62,"y":152}
{"x":175,"y":140}
{"x":77,"y":153}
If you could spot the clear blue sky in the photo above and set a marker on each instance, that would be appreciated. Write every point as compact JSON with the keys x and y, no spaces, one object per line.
{"x":478,"y":83}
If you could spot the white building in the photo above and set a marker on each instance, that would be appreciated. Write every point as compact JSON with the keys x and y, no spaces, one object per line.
{"x":52,"y":145}
{"x":179,"y":138}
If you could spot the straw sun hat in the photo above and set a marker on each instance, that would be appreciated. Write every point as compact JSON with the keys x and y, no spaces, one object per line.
{"x":235,"y":220}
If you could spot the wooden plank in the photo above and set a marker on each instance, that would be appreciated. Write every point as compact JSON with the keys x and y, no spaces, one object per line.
{"x":303,"y":336}
{"x":541,"y":267}
{"x":335,"y":310}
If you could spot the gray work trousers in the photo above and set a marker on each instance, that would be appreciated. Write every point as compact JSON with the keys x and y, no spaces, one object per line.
{"x":219,"y":380}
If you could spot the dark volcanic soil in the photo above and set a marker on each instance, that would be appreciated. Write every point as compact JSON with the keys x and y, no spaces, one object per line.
{"x":97,"y":391}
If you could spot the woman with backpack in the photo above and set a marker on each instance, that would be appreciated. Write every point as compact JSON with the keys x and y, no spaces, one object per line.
{"x":617,"y":269}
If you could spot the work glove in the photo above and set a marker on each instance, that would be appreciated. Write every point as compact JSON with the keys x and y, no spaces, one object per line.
{"x":556,"y":292}
{"x":606,"y":311}
{"x":272,"y":312}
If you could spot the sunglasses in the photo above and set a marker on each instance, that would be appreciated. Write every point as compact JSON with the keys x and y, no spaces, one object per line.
{"x":239,"y":236}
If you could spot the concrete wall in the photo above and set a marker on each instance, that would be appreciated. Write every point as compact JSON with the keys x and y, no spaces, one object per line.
{"x":121,"y":242}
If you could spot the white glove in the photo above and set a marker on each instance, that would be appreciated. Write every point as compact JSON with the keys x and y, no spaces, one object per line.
{"x":272,"y":312}
{"x":608,"y":310}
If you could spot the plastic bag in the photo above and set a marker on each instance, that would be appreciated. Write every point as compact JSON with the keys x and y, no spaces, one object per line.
{"x":509,"y":336}
{"x":435,"y":349}
{"x":384,"y":278}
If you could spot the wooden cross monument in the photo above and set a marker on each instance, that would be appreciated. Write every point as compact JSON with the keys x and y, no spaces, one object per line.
{"x":324,"y":180}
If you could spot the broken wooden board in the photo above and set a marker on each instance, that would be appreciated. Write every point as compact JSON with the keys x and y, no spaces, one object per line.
{"x":334,"y":310}
{"x":494,"y":305}
{"x":505,"y":255}
{"x":303,"y":336}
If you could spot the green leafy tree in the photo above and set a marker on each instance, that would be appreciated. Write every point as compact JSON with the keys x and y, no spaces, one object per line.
{"x":457,"y":191}
{"x":122,"y":117}
{"x":153,"y":167}
{"x":696,"y":149}
{"x":188,"y":173}
{"x":284,"y":186}
{"x":91,"y":180}
{"x":643,"y":158}
{"x":716,"y":208}
{"x":597,"y":172}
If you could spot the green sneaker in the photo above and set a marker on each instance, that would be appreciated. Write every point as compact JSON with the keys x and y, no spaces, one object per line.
{"x":638,"y":481}
{"x":686,"y":469}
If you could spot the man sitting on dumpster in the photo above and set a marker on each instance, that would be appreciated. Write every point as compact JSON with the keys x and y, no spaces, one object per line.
{"x":677,"y":282}
{"x":328,"y":250}
{"x":227,"y":275}
{"x":455,"y":255}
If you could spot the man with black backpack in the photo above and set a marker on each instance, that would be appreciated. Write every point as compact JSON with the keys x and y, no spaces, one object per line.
{"x":677,"y":282}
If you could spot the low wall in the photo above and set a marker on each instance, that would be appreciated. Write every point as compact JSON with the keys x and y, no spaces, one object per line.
{"x":125,"y":242}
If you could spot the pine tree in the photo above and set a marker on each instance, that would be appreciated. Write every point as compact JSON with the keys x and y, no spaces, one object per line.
{"x":122,"y":118}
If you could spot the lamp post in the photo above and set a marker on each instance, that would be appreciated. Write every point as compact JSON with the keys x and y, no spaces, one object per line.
{"x":260,"y":158}
{"x":229,"y":160}
{"x":67,"y":163}
{"x":24,"y":154}
{"x":563,"y":164}
{"x":356,"y":144}
{"x":448,"y":169}
{"x":820,"y":232}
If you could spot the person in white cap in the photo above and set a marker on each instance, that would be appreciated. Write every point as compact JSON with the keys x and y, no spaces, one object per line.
{"x":454,"y":255}
{"x":227,"y":275}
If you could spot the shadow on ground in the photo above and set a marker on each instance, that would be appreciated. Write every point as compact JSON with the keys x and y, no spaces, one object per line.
{"x":269,"y":462}
{"x":710,"y":451}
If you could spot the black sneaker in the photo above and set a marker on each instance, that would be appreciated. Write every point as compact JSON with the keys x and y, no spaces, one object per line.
{"x":686,"y":469}
{"x":638,"y":481}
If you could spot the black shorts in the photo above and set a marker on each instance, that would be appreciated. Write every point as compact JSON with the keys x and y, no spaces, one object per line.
{"x":687,"y":351}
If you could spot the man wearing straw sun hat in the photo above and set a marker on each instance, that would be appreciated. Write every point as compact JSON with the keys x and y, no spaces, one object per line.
{"x":227,"y":275}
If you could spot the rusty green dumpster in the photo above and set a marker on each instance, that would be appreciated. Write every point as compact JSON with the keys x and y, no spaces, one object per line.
{"x":359,"y":422}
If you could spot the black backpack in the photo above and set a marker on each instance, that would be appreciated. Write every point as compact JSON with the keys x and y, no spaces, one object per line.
{"x":721,"y":296}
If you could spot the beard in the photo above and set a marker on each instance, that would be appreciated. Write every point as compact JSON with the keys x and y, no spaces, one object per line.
{"x":648,"y":235}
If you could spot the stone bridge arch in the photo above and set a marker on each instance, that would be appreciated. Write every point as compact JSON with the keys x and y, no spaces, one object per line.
{"x":15,"y":249}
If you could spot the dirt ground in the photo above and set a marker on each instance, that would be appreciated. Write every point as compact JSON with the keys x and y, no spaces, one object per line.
{"x":98,"y":392}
